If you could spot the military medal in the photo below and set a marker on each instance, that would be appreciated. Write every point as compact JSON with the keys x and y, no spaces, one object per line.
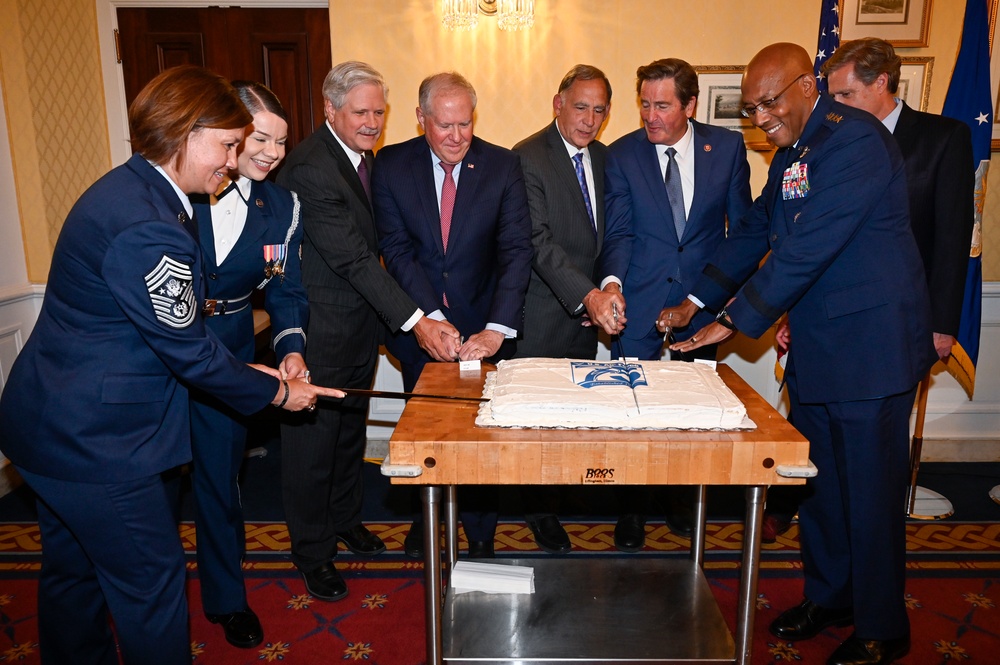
{"x":274,"y":261}
{"x":795,"y":181}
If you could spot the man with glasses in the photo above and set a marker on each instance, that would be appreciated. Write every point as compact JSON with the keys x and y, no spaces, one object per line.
{"x":671,"y":186}
{"x":844,"y":265}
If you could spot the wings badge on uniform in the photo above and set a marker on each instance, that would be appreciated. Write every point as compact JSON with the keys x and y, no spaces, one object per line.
{"x":170,"y":290}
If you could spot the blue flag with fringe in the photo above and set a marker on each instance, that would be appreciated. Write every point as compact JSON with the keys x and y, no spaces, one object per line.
{"x":970,"y":101}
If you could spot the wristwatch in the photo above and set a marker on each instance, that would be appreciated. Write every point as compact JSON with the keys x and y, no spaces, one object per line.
{"x":723,"y":320}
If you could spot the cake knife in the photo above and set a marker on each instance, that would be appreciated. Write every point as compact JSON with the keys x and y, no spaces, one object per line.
{"x":360,"y":392}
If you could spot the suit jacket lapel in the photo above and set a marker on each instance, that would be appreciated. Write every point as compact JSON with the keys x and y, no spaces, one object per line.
{"x":702,"y":171}
{"x":346,"y":168}
{"x":468,"y":184}
{"x":156,"y":180}
{"x":649,"y":164}
{"x":563,"y":167}
{"x":423,"y":184}
{"x":905,"y":127}
{"x":597,"y":159}
{"x":257,"y":221}
{"x":206,"y":234}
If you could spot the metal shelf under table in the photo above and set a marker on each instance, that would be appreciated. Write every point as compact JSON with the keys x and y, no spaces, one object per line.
{"x":599,"y":610}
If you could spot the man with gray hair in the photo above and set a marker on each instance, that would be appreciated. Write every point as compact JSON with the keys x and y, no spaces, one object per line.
{"x":351,"y":299}
{"x":455,"y":232}
{"x":566,"y":305}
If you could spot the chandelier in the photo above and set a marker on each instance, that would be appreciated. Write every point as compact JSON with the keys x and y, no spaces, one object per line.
{"x":511,"y":14}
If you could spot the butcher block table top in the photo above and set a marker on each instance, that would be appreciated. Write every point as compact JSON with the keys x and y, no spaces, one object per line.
{"x":441,"y":437}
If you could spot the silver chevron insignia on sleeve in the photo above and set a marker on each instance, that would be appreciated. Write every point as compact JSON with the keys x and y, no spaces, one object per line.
{"x":170,"y":290}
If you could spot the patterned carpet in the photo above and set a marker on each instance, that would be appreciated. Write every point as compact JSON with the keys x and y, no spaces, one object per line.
{"x":935,"y":548}
{"x":953,"y":594}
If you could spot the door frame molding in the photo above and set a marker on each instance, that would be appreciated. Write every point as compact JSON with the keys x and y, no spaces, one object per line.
{"x":111,"y":70}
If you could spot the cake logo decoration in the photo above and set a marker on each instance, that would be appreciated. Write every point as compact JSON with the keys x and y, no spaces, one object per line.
{"x":594,"y":374}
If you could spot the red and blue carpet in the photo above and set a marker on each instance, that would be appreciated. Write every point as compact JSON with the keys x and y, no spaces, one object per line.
{"x":953,"y":594}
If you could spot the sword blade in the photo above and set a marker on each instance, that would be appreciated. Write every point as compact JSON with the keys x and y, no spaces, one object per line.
{"x":389,"y":394}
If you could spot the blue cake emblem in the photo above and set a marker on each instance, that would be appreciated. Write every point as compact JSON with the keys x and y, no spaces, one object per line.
{"x":593,"y":374}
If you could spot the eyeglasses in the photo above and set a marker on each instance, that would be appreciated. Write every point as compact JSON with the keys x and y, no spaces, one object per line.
{"x":768,"y":104}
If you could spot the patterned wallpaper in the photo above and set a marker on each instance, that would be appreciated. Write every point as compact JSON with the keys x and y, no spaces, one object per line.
{"x":55,"y":103}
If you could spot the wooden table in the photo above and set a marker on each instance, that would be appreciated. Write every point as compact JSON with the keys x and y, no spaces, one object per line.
{"x":440,"y":439}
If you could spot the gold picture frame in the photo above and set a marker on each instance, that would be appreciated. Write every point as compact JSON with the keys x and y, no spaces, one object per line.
{"x":915,"y":82}
{"x":719,"y":102}
{"x":902,"y":23}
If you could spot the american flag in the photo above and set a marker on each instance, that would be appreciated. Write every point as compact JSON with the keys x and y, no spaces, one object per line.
{"x":969,"y":99}
{"x":829,"y":38}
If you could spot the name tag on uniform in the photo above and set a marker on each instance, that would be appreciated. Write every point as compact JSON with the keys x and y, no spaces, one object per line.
{"x":795,"y":182}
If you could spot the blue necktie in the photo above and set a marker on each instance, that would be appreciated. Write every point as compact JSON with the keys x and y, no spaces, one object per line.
{"x":675,"y":193}
{"x":581,"y":177}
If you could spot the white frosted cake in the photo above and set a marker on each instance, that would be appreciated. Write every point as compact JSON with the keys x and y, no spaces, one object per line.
{"x":543,"y":392}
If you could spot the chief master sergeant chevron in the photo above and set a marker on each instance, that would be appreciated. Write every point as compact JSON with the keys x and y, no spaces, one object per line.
{"x":845,"y":266}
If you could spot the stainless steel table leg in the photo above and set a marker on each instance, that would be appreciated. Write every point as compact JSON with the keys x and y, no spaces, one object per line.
{"x":431,"y":497}
{"x":450,"y":527}
{"x":748,"y":578}
{"x":698,"y":533}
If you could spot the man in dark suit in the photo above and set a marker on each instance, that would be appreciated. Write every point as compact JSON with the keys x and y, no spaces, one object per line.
{"x":455,"y":232}
{"x":563,"y":168}
{"x":937,"y":151}
{"x":671,"y":187}
{"x":350,"y":298}
{"x":844,"y":265}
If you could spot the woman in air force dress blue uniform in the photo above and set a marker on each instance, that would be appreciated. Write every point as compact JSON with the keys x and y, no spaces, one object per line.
{"x":250,"y":238}
{"x":96,"y":404}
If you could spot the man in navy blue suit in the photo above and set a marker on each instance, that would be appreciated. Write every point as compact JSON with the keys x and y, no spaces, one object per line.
{"x":844,"y":264}
{"x":455,"y":232}
{"x":670,"y":188}
{"x":352,"y":301}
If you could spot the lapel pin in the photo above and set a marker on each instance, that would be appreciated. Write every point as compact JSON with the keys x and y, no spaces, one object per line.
{"x":708,"y":147}
{"x":805,"y":151}
{"x":181,"y":217}
{"x":260,"y":204}
{"x":471,"y":166}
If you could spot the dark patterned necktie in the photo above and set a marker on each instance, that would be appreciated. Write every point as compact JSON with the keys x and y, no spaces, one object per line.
{"x":363,"y":174}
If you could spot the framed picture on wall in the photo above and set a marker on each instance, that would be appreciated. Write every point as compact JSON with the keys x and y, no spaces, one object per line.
{"x":915,"y":82}
{"x":720,"y":100}
{"x":902,"y":23}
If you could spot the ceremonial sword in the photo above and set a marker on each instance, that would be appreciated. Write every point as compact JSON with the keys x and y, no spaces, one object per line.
{"x":400,"y":395}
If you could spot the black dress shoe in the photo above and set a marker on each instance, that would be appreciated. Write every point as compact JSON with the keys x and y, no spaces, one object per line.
{"x":855,"y":651}
{"x":325,"y":583}
{"x":361,"y":541}
{"x":413,"y":544}
{"x":808,"y":619}
{"x":480,"y":549}
{"x":549,"y":533}
{"x":680,"y":512}
{"x":630,"y":533}
{"x":242,"y":629}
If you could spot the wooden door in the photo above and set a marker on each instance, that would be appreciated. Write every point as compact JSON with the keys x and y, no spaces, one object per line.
{"x":288,"y":50}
